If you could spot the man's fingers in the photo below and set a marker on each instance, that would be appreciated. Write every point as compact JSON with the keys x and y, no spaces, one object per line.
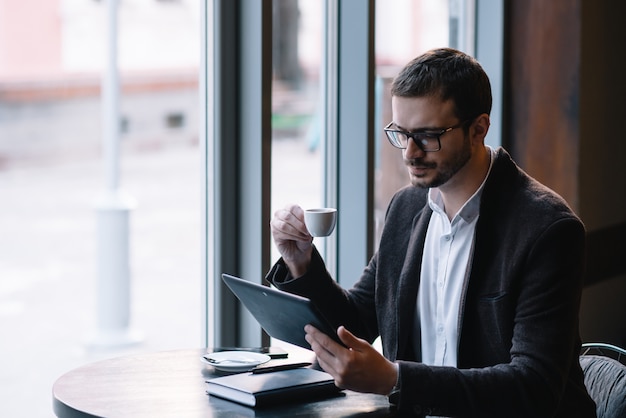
{"x":349,"y":339}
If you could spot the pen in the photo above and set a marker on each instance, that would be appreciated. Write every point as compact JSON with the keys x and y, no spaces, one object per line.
{"x":279,"y":367}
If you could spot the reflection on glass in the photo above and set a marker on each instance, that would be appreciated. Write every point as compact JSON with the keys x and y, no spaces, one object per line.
{"x":418,"y":25}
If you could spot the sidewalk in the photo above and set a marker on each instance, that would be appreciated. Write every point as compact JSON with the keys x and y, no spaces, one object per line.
{"x":48,"y":277}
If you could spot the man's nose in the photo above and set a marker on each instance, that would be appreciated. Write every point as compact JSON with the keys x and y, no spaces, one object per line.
{"x":413,"y":150}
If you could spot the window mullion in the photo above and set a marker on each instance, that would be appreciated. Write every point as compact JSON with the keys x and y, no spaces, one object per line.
{"x":355,"y":141}
{"x":238,"y":149}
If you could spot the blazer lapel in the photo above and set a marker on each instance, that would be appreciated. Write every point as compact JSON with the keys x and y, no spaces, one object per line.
{"x":408,"y":286}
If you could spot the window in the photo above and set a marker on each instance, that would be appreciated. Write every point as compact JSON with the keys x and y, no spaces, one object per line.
{"x":319,"y":140}
{"x":297,"y":106}
{"x":52,"y":173}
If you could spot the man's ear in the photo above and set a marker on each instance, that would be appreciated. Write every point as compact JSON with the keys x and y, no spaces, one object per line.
{"x":480,"y":127}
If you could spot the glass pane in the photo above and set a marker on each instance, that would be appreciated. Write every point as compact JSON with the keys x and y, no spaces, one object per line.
{"x":418,"y":25}
{"x":297,"y":110}
{"x":52,"y":174}
{"x":296,"y":101}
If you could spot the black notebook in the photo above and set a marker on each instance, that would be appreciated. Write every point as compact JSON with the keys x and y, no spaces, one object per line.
{"x":265,"y":389}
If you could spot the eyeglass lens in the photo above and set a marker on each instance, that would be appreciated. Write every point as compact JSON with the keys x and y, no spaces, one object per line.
{"x":427,"y":142}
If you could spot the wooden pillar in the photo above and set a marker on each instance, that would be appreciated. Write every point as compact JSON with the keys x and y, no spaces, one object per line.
{"x":544,"y":69}
{"x":564,"y":111}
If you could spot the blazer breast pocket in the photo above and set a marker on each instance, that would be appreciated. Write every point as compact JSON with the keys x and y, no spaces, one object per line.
{"x":495,"y":316}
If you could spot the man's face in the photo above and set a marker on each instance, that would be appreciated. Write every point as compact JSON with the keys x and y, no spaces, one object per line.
{"x":432,"y":169}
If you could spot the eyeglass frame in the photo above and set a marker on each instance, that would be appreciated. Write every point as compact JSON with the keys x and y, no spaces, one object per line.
{"x":431,"y":133}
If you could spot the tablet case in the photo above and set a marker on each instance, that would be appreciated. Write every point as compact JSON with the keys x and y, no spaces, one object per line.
{"x":281,"y":314}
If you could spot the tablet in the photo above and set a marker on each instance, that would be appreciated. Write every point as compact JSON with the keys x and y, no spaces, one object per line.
{"x":281,"y":314}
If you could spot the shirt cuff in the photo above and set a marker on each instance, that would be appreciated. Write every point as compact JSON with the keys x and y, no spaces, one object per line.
{"x":394,"y":395}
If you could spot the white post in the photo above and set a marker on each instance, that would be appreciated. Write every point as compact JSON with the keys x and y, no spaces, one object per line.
{"x":113,"y":209}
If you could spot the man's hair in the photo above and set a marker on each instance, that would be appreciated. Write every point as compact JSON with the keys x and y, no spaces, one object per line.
{"x":447,"y":74}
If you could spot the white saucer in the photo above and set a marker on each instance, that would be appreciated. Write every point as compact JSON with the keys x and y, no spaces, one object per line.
{"x":233,"y":361}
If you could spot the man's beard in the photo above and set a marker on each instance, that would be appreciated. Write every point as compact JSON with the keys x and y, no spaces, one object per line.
{"x":443,"y":171}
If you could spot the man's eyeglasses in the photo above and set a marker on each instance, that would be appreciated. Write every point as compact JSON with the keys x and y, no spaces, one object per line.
{"x":427,"y":141}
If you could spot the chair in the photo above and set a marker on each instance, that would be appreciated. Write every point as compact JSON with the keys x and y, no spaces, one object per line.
{"x":605,"y":378}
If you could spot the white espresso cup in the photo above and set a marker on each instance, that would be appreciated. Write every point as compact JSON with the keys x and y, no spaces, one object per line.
{"x":321,"y":221}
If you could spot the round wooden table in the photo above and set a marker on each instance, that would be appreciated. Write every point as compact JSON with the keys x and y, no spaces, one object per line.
{"x":172,"y":384}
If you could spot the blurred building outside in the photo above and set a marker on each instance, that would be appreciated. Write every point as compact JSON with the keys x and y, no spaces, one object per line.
{"x":51,"y":65}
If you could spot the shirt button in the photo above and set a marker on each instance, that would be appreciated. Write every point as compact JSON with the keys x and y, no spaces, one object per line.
{"x":447,"y":238}
{"x":439,"y":329}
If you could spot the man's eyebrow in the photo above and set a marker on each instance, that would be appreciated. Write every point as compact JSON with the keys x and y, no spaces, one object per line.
{"x":424,"y":129}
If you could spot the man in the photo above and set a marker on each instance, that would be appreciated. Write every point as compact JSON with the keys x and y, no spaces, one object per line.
{"x":475,"y":287}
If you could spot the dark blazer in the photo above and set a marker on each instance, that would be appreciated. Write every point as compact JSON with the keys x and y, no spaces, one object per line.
{"x":518,"y":320}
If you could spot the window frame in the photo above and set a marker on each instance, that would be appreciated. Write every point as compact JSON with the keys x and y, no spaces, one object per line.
{"x":236,"y":86}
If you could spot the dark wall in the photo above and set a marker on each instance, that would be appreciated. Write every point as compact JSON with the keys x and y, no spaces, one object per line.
{"x":564,"y":107}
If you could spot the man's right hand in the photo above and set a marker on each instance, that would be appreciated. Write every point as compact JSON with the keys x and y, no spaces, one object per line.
{"x":292,"y":238}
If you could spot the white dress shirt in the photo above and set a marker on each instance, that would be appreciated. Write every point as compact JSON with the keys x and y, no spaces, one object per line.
{"x":444,"y":264}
